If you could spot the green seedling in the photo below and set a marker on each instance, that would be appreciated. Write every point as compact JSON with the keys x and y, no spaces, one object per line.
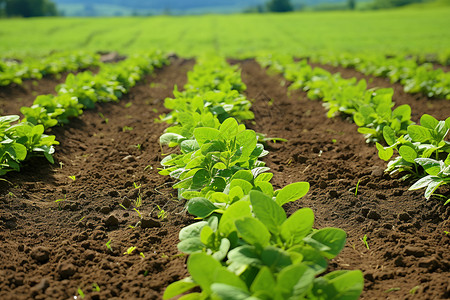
{"x":60,"y":200}
{"x":142,"y":254}
{"x":162,"y":214}
{"x":11,"y":194}
{"x":138,"y":201}
{"x":126,"y":128}
{"x":61,"y":164}
{"x":95,"y":287}
{"x":80,"y":292}
{"x":414,"y":289}
{"x":155,"y":110}
{"x":357,"y":185}
{"x":82,"y":218}
{"x":148,"y":167}
{"x":121,"y":205}
{"x":73,"y":178}
{"x":108,"y":245}
{"x":446,"y":232}
{"x":138,"y":212}
{"x":136,"y":186}
{"x":392,"y":289}
{"x":334,"y":141}
{"x":130,"y":250}
{"x":106,"y":120}
{"x":138,"y":146}
{"x":364,"y":240}
{"x":128,"y":104}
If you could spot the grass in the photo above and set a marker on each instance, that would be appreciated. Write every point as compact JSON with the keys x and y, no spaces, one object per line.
{"x":401,"y":30}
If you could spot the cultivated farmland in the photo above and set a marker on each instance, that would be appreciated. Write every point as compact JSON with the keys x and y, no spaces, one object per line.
{"x":275,"y":156}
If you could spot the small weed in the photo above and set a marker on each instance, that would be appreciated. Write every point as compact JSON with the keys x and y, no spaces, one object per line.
{"x":136,"y":186}
{"x":82,"y":218}
{"x":126,"y":128}
{"x":11,"y":194}
{"x":128,"y":104}
{"x":142,"y":254}
{"x":138,"y":212}
{"x":164,"y":256}
{"x":148,"y":167}
{"x":108,"y":245}
{"x":392,"y":290}
{"x":446,"y":232}
{"x":95,"y":287}
{"x":162,"y":214}
{"x":414,"y":289}
{"x":155,"y":110}
{"x":356,"y":189}
{"x":106,"y":120}
{"x":80,"y":292}
{"x":73,"y":178}
{"x":60,"y":200}
{"x":364,"y":240}
{"x":334,"y":141}
{"x":130,"y":250}
{"x":61,"y":164}
{"x":121,"y":205}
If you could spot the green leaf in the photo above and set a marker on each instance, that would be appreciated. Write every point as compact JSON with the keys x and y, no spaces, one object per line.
{"x":292,"y":192}
{"x":236,"y":211}
{"x":191,"y":245}
{"x":229,"y":129}
{"x":245,"y":255}
{"x":267,"y":211}
{"x":359,"y":119}
{"x":297,"y":226}
{"x":329,"y":241}
{"x":227,"y":292}
{"x":428,"y":121}
{"x":243,"y":184}
{"x":200,"y":179}
{"x":264,"y":177}
{"x":265,"y":187}
{"x":431,"y":166}
{"x":201,"y":207}
{"x":294,"y":281}
{"x":253,"y":231}
{"x":384,"y":153}
{"x":204,"y":134}
{"x":447,"y":122}
{"x":433,"y":186}
{"x":264,"y":281}
{"x":202,"y":268}
{"x":275,"y":258}
{"x":339,"y":285}
{"x":403,"y":112}
{"x":222,"y":252}
{"x":419,"y":134}
{"x":188,"y":146}
{"x":168,"y":138}
{"x":422,"y":182}
{"x":244,"y":175}
{"x":389,"y":135}
{"x":407,"y":153}
{"x":178,"y":288}
{"x":17,"y":151}
{"x":247,"y":140}
{"x":192,"y":230}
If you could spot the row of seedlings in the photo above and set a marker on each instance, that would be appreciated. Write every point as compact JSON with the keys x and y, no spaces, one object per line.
{"x":423,"y":152}
{"x":22,"y":139}
{"x":415,"y":77}
{"x":245,"y":246}
{"x":15,"y":71}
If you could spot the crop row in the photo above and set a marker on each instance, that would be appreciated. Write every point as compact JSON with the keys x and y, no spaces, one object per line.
{"x":424,"y":154}
{"x":24,"y":139}
{"x":244,"y":247}
{"x":415,"y":77}
{"x":14,"y":71}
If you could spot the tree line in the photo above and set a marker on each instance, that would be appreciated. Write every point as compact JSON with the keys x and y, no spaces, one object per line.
{"x":27,"y":8}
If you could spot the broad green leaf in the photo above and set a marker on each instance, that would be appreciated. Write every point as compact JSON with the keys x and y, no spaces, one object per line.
{"x":200,"y":179}
{"x":419,"y":134}
{"x":431,"y":166}
{"x":433,"y":186}
{"x":275,"y":258}
{"x":189,"y":146}
{"x":193,"y":296}
{"x":236,"y":193}
{"x":407,"y":153}
{"x":403,"y":112}
{"x":389,"y":135}
{"x":266,"y":187}
{"x":428,"y":121}
{"x":253,"y":231}
{"x":200,"y":207}
{"x":264,"y":177}
{"x":257,"y":172}
{"x":206,"y":234}
{"x":203,"y":134}
{"x":244,"y":175}
{"x":202,"y":268}
{"x":17,"y":151}
{"x":229,"y":129}
{"x":245,"y":255}
{"x":297,"y":226}
{"x":178,"y":288}
{"x":292,"y":192}
{"x":359,"y":119}
{"x":9,"y":119}
{"x":311,"y":257}
{"x":247,"y":140}
{"x":447,"y":122}
{"x":295,"y":280}
{"x":236,"y":211}
{"x":329,"y":241}
{"x":220,"y":166}
{"x":191,"y":245}
{"x":267,"y":211}
{"x":365,"y":130}
{"x":192,"y":230}
{"x":340,"y":285}
{"x":224,"y":276}
{"x":264,"y":281}
{"x":384,"y":153}
{"x":423,"y":182}
{"x":243,"y":184}
{"x":227,"y":292}
{"x":168,"y":138}
{"x":222,"y":252}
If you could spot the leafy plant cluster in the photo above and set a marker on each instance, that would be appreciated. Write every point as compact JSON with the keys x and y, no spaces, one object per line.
{"x":423,"y":151}
{"x":371,"y":109}
{"x":414,"y":76}
{"x":22,"y":139}
{"x":245,"y":247}
{"x":13,"y":71}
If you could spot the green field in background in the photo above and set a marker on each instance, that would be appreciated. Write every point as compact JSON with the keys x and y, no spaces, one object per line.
{"x":415,"y":31}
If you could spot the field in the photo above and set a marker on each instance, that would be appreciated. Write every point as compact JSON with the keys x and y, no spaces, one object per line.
{"x":101,"y":222}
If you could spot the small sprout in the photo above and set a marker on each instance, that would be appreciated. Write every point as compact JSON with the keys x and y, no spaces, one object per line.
{"x":61,"y":164}
{"x":414,"y":289}
{"x":131,"y":226}
{"x":392,"y":290}
{"x":139,"y":213}
{"x":162,"y":214}
{"x":334,"y":141}
{"x":11,"y":194}
{"x":142,"y":254}
{"x":148,"y":167}
{"x":270,"y":102}
{"x":164,"y":256}
{"x":106,"y":120}
{"x":155,"y":110}
{"x":72,"y":177}
{"x":446,"y":232}
{"x":364,"y":240}
{"x":136,"y":186}
{"x":80,"y":292}
{"x":108,"y":245}
{"x":138,"y":146}
{"x":126,"y":128}
{"x":95,"y":287}
{"x":128,"y":104}
{"x":357,"y":185}
{"x":130,"y":250}
{"x":121,"y":205}
{"x":145,"y":273}
{"x":82,"y":219}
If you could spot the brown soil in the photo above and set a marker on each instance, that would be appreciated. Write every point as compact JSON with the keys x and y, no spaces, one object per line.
{"x":50,"y":249}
